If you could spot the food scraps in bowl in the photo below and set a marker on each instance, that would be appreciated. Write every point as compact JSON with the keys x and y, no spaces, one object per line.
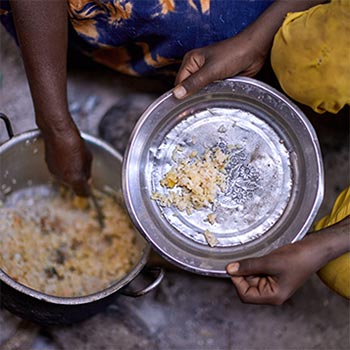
{"x":274,"y":174}
{"x":54,"y":244}
{"x":195,"y":182}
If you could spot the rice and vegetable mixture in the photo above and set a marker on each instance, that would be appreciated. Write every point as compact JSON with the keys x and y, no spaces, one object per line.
{"x":199,"y":179}
{"x":54,"y":244}
{"x":194,"y":182}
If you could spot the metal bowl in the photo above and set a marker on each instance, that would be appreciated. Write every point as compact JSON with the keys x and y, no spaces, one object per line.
{"x":23,"y":169}
{"x":275,"y":173}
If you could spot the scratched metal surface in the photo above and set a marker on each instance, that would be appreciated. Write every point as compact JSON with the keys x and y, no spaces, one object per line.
{"x":258,"y":174}
{"x":275,"y":173}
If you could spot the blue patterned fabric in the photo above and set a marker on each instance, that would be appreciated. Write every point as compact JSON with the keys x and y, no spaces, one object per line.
{"x":140,"y":37}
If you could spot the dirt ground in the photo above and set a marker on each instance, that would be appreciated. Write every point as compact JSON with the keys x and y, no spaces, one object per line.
{"x":186,"y":311}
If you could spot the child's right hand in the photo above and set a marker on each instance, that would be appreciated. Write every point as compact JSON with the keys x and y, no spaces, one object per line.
{"x":274,"y":278}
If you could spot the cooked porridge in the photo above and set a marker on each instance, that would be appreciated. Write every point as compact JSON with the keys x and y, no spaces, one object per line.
{"x":55,"y":245}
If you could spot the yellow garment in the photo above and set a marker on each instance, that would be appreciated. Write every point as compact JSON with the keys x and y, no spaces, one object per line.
{"x":336,"y":274}
{"x":311,"y":56}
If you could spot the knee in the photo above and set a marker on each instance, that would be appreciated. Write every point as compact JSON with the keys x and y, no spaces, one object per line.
{"x":336,"y":275}
{"x":309,"y":59}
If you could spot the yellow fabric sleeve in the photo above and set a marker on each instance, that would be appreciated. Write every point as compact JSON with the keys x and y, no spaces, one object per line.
{"x":336,"y":274}
{"x":311,"y":53}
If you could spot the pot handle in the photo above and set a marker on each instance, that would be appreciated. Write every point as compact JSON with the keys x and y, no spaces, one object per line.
{"x":159,"y":275}
{"x":7,"y":125}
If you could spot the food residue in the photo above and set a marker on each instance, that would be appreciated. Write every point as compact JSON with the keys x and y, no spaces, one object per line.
{"x":54,"y":244}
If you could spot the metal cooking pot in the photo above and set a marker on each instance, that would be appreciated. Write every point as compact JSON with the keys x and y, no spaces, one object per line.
{"x":22,"y":165}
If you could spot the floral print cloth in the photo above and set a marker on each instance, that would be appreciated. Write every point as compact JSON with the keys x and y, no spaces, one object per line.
{"x":139,"y":37}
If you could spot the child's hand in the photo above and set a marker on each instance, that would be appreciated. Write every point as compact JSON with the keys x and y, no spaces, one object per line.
{"x":240,"y":55}
{"x":274,"y":278}
{"x":243,"y":54}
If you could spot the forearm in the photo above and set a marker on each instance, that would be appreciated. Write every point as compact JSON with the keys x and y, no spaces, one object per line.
{"x":262,"y":31}
{"x":335,"y":239}
{"x":329,"y":243}
{"x":42,"y":32}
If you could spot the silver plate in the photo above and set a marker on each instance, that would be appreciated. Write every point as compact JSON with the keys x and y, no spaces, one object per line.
{"x":274,"y":173}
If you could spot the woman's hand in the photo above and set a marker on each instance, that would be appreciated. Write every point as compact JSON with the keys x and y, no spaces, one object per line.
{"x":69,"y":160}
{"x":42,"y":31}
{"x":272,"y":279}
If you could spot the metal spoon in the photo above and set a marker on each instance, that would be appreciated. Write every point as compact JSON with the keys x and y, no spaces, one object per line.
{"x":100,"y":216}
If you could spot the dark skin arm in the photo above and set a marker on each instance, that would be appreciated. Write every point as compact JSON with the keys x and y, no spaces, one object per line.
{"x":243,"y":54}
{"x":274,"y":278}
{"x":42,"y":30}
{"x":42,"y":33}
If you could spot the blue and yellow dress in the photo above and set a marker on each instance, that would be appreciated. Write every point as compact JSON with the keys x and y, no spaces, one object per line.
{"x":141,"y":37}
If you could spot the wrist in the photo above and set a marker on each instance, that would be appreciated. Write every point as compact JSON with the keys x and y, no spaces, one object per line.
{"x":56,"y":124}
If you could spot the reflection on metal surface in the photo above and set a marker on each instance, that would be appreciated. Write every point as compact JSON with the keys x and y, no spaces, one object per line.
{"x":258,"y":175}
{"x":274,"y":173}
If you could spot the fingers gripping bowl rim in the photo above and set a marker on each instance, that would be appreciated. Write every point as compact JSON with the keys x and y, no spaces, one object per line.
{"x":275,"y":182}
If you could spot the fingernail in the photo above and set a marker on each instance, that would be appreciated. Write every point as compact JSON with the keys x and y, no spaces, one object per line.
{"x":180,"y":92}
{"x":233,"y":268}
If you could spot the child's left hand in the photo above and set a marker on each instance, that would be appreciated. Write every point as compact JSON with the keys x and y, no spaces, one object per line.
{"x":240,"y":55}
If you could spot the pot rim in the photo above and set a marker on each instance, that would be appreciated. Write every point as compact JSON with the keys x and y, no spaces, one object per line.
{"x":5,"y":278}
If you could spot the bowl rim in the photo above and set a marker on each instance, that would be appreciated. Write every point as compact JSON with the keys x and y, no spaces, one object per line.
{"x":128,"y":163}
